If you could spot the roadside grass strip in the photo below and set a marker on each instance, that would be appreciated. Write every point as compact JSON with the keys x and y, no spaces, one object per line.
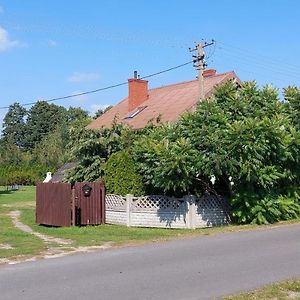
{"x":287,"y":290}
{"x":16,"y":244}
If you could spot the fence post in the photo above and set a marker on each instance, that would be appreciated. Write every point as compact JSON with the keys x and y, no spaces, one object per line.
{"x":103,"y":204}
{"x":128,"y":209}
{"x":191,"y":211}
{"x":73,"y":206}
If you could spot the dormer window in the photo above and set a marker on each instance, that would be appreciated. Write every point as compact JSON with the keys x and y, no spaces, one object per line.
{"x":135,"y":112}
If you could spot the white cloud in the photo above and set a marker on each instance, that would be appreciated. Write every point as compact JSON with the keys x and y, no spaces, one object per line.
{"x":51,"y":43}
{"x":6,"y":43}
{"x":81,"y":77}
{"x":95,"y":107}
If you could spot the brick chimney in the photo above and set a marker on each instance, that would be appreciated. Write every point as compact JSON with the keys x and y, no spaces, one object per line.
{"x":137,"y":92}
{"x":209,"y":72}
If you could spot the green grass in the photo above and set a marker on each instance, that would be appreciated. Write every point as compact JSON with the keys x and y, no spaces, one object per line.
{"x":22,"y":244}
{"x":26,"y":244}
{"x":277,"y":291}
{"x":22,"y":198}
{"x":97,"y":235}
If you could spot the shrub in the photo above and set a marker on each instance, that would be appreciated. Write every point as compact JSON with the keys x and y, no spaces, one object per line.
{"x":166,"y":161}
{"x":255,"y":209}
{"x":23,"y":175}
{"x":121,"y":175}
{"x":92,"y":148}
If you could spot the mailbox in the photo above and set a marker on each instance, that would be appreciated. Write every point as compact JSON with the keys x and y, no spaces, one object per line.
{"x":86,"y":190}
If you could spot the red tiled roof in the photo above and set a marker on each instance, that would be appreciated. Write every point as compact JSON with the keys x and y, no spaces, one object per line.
{"x":167,"y":102}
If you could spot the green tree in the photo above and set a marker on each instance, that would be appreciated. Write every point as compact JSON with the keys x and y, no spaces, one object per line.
{"x":101,"y":111}
{"x":39,"y":142}
{"x":14,"y":124}
{"x":76,"y":115}
{"x":51,"y":151}
{"x":292,"y":104}
{"x":252,"y":141}
{"x":121,"y":175}
{"x":12,"y":155}
{"x":43,"y":118}
{"x":165,"y":160}
{"x":240,"y":135}
{"x":91,"y":148}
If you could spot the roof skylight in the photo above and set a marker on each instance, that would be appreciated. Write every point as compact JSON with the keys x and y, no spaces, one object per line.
{"x":135,"y":112}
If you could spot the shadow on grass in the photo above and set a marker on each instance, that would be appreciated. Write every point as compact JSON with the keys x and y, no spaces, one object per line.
{"x":6,"y":192}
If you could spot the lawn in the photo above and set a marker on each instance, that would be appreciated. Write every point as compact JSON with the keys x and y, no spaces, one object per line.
{"x":13,"y":242}
{"x":16,"y":244}
{"x":277,"y":291}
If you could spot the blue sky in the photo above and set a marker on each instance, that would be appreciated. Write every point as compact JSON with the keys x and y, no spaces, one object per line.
{"x":56,"y":48}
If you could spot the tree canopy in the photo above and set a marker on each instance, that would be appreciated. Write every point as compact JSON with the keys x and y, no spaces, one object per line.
{"x":14,"y":124}
{"x":37,"y":138}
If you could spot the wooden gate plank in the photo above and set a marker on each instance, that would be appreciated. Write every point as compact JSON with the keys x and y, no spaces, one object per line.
{"x":53,"y":204}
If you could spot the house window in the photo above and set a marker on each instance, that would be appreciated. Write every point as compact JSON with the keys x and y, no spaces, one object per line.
{"x":135,"y":112}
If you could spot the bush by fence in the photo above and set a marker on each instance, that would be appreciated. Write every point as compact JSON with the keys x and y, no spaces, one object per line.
{"x":121,"y":175}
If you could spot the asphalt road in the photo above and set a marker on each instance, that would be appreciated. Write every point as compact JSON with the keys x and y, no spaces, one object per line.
{"x":198,"y":268}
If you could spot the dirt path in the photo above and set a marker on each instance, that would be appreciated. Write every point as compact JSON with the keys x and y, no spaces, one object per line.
{"x":52,"y":251}
{"x":15,"y":215}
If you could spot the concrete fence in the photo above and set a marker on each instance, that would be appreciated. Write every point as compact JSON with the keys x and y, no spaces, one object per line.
{"x":165,"y":212}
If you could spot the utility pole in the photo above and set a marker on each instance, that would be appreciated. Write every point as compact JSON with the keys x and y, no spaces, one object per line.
{"x":199,"y":64}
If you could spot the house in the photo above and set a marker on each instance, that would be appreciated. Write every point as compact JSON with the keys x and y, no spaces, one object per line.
{"x":165,"y":103}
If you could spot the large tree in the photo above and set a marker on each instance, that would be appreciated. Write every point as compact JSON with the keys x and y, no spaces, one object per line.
{"x":92,"y":148}
{"x":76,"y":115}
{"x":43,"y":118}
{"x":292,"y":103}
{"x":38,"y":138}
{"x":12,"y":155}
{"x":14,"y":124}
{"x":51,"y":151}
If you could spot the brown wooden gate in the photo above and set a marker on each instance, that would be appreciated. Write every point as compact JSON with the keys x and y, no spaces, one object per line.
{"x":90,"y":209}
{"x":53,"y":204}
{"x":61,"y":204}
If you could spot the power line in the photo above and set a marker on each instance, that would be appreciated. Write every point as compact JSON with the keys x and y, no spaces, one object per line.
{"x":104,"y":88}
{"x":167,"y":70}
{"x":246,"y":57}
{"x":261,"y":64}
{"x":263,"y":57}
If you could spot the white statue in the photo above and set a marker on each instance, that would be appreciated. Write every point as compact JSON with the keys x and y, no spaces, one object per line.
{"x":213,"y":179}
{"x":48,"y":177}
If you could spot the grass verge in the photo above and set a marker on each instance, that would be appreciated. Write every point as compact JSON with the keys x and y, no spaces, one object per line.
{"x":14,"y":242}
{"x":278,"y":291}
